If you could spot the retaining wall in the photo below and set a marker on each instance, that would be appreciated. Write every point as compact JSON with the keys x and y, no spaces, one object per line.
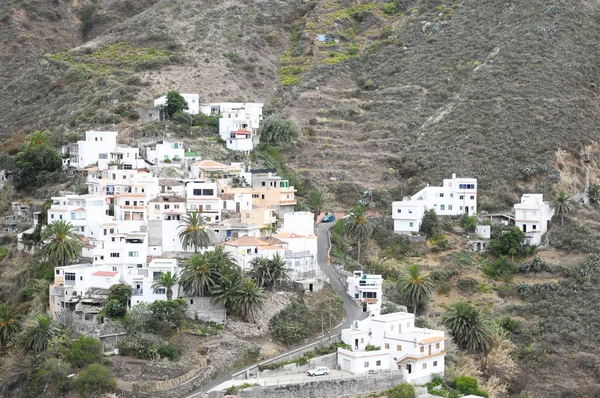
{"x":321,"y":388}
{"x":329,"y":360}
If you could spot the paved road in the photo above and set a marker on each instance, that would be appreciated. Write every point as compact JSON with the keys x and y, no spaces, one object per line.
{"x":351,"y":309}
{"x":281,"y":380}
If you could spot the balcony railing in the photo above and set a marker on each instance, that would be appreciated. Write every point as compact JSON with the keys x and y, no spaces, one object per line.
{"x":138,"y":292}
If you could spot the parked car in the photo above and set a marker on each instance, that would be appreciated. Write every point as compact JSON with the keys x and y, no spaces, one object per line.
{"x":328,"y":218}
{"x":320,"y":371}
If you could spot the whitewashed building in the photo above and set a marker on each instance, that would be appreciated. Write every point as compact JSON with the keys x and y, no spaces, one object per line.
{"x":455,"y":197}
{"x":96,"y":146}
{"x":240,"y":140}
{"x":533,"y":215}
{"x":395,"y":343}
{"x":247,"y":248}
{"x":165,"y":151}
{"x":299,"y":222}
{"x":203,"y":197}
{"x":366,"y":290}
{"x":192,"y":100}
{"x":85,"y":212}
{"x":235,"y":115}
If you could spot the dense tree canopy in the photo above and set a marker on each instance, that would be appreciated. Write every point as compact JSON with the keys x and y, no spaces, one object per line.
{"x":175,"y":103}
{"x":35,"y":162}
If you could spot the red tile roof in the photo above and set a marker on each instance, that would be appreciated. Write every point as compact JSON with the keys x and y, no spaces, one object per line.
{"x":105,"y":273}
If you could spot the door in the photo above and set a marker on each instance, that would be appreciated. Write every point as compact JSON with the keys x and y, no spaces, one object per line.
{"x":409,"y":368}
{"x":524,"y":227}
{"x":364,"y":305}
{"x":346,"y":365}
{"x":237,"y":207}
{"x":356,"y":344}
{"x":310,"y":287}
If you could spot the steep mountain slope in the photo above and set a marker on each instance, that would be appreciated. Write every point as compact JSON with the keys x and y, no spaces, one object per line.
{"x":409,"y":91}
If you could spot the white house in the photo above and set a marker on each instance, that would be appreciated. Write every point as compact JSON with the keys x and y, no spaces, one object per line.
{"x":299,"y":222}
{"x":367,"y":290}
{"x":394,"y":343}
{"x":203,"y":197}
{"x":533,"y":215}
{"x":165,"y":151}
{"x":85,"y":212}
{"x":235,"y":115}
{"x":240,"y":140}
{"x":456,"y":196}
{"x":300,"y":254}
{"x":97,"y":146}
{"x":166,"y":207}
{"x":247,"y":248}
{"x":192,"y":100}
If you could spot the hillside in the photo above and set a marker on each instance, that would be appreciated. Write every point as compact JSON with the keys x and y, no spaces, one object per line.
{"x":408,"y":91}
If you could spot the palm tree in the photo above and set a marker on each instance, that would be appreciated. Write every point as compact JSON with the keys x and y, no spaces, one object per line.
{"x":468,"y":328}
{"x":270,"y":273}
{"x":193,"y":231}
{"x":225,"y":292}
{"x":357,"y":226}
{"x":249,"y":297}
{"x":593,"y":194}
{"x":37,"y":336}
{"x":316,"y":201}
{"x":222,"y":262}
{"x":562,"y":204}
{"x":168,"y":281}
{"x":415,"y":288}
{"x":62,"y":243}
{"x":198,"y":275}
{"x":10,"y":323}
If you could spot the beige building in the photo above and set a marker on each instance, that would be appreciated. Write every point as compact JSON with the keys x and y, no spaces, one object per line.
{"x":262,"y":216}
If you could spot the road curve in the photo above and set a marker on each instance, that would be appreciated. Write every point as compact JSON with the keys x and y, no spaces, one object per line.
{"x":351,"y":309}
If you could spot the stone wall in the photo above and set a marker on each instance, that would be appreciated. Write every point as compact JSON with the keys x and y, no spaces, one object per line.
{"x":203,"y":309}
{"x":329,"y":360}
{"x":174,"y":388}
{"x":321,"y":388}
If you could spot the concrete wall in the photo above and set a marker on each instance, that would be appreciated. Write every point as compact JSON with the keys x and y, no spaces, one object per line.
{"x":329,"y":360}
{"x":322,"y":388}
{"x":204,"y":309}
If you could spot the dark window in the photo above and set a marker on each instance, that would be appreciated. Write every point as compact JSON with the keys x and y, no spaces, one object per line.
{"x":69,"y":276}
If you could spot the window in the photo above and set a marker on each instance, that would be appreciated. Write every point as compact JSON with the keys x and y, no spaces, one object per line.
{"x":441,"y":195}
{"x":57,"y":272}
{"x":247,"y":215}
{"x":160,"y":290}
{"x":409,"y":211}
{"x":391,"y":327}
{"x":134,"y":254}
{"x":437,"y":346}
{"x":69,"y":276}
{"x":262,"y":196}
{"x":369,"y":294}
{"x":191,"y":301}
{"x":255,"y":196}
{"x":459,"y":207}
{"x":466,"y":186}
{"x":407,"y":324}
{"x":422,"y":349}
{"x":472,"y":197}
{"x":156,"y":275}
{"x":378,"y":363}
{"x":126,"y":203}
{"x":449,"y":207}
{"x":167,"y":207}
{"x":461,"y":197}
{"x":434,"y":363}
{"x":451,"y":195}
{"x":263,"y":183}
{"x":398,"y":347}
{"x":442,"y":207}
{"x":114,"y":255}
{"x":533,"y":226}
{"x":399,"y":210}
{"x":366,"y":364}
{"x":127,"y":166}
{"x":410,"y":224}
{"x":157,"y":207}
{"x":387,"y":346}
{"x":103,"y":156}
{"x":114,"y":269}
{"x":362,"y":340}
{"x":424,"y":366}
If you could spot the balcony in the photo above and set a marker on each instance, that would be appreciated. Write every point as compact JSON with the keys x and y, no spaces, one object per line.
{"x":137,"y":292}
{"x":287,"y":202}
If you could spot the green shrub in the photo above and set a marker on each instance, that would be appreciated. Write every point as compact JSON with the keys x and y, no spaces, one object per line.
{"x":168,"y":351}
{"x":430,"y":224}
{"x":576,"y":238}
{"x":444,"y":288}
{"x":95,"y":380}
{"x":440,"y":242}
{"x":501,"y":268}
{"x":277,"y":131}
{"x":422,"y":323}
{"x":509,"y":324}
{"x":506,"y":290}
{"x":467,"y":285}
{"x":466,"y":384}
{"x":469,"y":223}
{"x":85,"y":350}
{"x":507,"y":242}
{"x":370,"y":347}
{"x":403,"y":390}
{"x":535,"y":265}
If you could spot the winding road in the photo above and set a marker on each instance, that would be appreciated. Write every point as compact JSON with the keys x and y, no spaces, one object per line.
{"x":352,"y":311}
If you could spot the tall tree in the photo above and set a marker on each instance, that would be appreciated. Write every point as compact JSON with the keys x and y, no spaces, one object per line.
{"x":468,"y":328}
{"x":61,"y":243}
{"x":278,"y":132}
{"x":37,"y":336}
{"x":358,"y":227}
{"x":316,"y":201}
{"x":198,"y":275}
{"x":10,"y":323}
{"x":562,"y":204}
{"x":35,"y":162}
{"x":168,"y":281}
{"x":270,"y":273}
{"x":226,"y":291}
{"x":249,"y":298}
{"x":193,"y":231}
{"x":175,"y":103}
{"x":415,"y":288}
{"x":430,"y":223}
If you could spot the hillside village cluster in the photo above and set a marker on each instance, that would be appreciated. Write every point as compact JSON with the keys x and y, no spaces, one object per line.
{"x":130,"y":218}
